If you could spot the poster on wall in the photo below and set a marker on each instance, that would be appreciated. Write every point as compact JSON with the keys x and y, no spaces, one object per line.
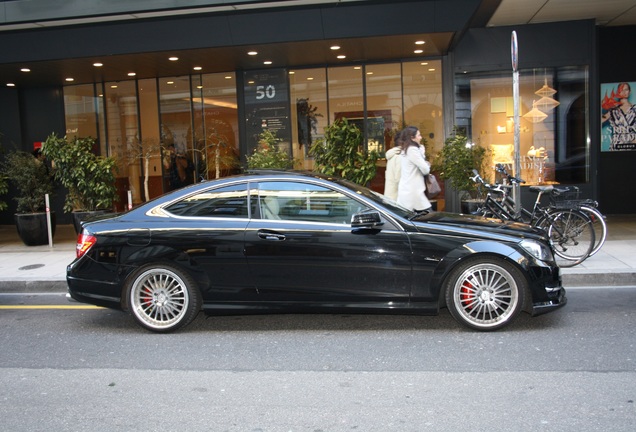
{"x":618,"y":117}
{"x":267,"y":106}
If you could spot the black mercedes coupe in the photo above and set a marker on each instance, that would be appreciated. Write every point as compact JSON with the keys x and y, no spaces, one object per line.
{"x":291,"y":242}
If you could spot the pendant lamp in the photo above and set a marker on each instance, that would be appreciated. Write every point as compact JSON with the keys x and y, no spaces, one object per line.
{"x":545,"y":91}
{"x":547,"y":104}
{"x":535,"y":115}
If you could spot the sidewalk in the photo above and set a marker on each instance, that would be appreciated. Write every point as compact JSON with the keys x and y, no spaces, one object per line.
{"x":43,"y":268}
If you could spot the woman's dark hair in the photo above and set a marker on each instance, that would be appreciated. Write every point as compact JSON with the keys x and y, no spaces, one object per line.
{"x":405,"y":138}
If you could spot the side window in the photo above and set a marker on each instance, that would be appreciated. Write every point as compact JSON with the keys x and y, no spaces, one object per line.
{"x":226,"y":202}
{"x":305,"y":202}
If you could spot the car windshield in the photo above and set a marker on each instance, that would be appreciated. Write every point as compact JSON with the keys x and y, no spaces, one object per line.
{"x":382,"y":200}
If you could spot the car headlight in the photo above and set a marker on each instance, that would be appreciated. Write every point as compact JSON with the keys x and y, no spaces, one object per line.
{"x":538,"y":250}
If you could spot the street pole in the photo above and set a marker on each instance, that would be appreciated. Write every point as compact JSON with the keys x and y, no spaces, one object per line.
{"x":516,"y":191}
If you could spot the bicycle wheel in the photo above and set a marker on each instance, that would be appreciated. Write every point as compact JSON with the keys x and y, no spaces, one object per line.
{"x":572,"y":236}
{"x":600,"y":227}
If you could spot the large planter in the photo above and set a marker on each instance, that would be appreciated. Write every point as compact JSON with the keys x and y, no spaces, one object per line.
{"x":81,"y":216}
{"x":32,"y":228}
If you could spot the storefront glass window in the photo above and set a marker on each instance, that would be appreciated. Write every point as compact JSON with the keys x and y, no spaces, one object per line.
{"x":346,"y":98}
{"x":308,"y":95}
{"x":122,"y":119}
{"x":423,"y":104}
{"x":215,"y":116}
{"x":554,"y":145}
{"x":145,"y":158}
{"x":176,"y":131}
{"x":384,"y":105}
{"x":81,"y":107}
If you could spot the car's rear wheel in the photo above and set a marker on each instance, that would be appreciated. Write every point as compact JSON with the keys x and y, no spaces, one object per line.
{"x":485,"y":293}
{"x":163,"y":298}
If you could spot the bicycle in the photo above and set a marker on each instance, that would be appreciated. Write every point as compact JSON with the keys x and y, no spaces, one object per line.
{"x":564,"y":198}
{"x":570,"y":230}
{"x":570,"y":199}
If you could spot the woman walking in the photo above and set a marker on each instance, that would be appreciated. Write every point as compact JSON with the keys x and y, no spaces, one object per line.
{"x":414,"y":167}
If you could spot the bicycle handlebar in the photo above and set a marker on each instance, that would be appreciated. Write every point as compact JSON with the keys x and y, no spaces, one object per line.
{"x":502,"y":170}
{"x":493,"y":187}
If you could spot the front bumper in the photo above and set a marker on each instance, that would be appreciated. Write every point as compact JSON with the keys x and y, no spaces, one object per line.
{"x":556,"y":299}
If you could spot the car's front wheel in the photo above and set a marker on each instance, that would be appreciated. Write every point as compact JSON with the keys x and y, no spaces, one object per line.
{"x":162,"y":298}
{"x":485,"y":293}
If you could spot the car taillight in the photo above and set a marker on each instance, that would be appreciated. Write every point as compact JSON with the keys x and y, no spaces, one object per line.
{"x":84,"y":243}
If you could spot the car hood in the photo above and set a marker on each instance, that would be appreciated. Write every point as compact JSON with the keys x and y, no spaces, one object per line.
{"x":477,"y":226}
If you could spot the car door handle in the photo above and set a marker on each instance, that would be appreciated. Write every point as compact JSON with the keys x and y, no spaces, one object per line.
{"x":265,"y":235}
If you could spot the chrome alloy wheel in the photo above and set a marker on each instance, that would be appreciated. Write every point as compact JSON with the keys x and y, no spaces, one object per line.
{"x":485,"y":296}
{"x":159,"y":299}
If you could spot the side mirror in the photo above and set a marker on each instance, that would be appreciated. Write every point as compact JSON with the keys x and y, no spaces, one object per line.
{"x":366,"y":219}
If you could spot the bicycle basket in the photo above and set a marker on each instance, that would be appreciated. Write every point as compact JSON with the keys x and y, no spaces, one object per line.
{"x":565,"y":197}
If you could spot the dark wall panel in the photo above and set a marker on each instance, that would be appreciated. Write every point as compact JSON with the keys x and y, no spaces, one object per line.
{"x":616,"y":64}
{"x":558,"y":44}
{"x":253,"y":27}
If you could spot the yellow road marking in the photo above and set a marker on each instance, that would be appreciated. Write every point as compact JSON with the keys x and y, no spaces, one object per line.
{"x":49,"y":307}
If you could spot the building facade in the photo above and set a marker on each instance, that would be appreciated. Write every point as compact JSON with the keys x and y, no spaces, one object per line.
{"x":208,"y":77}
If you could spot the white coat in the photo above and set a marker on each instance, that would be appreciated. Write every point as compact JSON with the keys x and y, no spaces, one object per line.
{"x":411,"y":188}
{"x":393,"y":172}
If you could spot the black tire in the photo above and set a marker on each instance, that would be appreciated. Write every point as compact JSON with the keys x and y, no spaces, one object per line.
{"x":162,"y":298}
{"x":485,"y":294}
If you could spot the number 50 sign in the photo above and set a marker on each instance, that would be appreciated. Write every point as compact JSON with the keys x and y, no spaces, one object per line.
{"x":265,"y":86}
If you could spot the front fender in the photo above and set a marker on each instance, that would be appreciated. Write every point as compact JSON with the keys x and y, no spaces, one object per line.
{"x":471,"y":249}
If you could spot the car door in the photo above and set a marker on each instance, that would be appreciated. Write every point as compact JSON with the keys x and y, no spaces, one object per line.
{"x":303,"y":248}
{"x":209,"y":227}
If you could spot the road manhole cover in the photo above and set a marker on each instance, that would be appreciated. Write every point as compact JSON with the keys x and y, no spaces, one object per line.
{"x":31,"y":267}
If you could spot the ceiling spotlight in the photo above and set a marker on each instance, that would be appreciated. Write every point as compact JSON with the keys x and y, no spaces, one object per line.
{"x":252,"y":53}
{"x":70,"y":79}
{"x":10,"y":85}
{"x":335,"y":47}
{"x":342,"y":56}
{"x":173,"y":58}
{"x":98,"y":64}
{"x":197,"y":68}
{"x":114,"y":86}
{"x":267,"y":62}
{"x":228,"y":77}
{"x":170,"y":82}
{"x":25,"y":70}
{"x":418,"y":51}
{"x":131,"y":74}
{"x":420,"y":42}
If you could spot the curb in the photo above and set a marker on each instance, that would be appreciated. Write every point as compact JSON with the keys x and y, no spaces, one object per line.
{"x":572,"y":280}
{"x":621,"y":278}
{"x":33,"y":286}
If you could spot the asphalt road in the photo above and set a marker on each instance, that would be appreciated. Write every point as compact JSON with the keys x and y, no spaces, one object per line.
{"x":95,"y":370}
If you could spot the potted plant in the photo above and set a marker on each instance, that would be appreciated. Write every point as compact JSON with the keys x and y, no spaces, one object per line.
{"x":88,"y":178}
{"x":455,"y":162}
{"x":268,"y":154}
{"x":341,"y":152}
{"x":32,"y":180}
